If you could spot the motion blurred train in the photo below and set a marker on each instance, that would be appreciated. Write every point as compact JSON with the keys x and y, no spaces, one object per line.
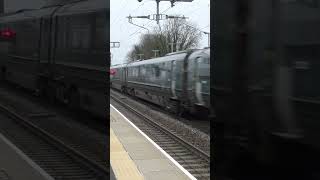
{"x":266,"y":89}
{"x":179,"y":82}
{"x":60,"y":51}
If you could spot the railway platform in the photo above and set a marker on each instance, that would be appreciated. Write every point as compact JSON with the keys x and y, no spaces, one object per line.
{"x":135,"y":156}
{"x":15,"y":165}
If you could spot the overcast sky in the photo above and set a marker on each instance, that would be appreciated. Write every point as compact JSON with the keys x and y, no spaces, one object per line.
{"x":127,"y":34}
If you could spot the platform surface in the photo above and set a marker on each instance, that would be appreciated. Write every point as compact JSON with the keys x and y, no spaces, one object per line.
{"x":15,"y":165}
{"x":135,"y":156}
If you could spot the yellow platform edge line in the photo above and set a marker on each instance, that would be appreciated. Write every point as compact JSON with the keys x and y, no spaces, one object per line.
{"x":123,"y":166}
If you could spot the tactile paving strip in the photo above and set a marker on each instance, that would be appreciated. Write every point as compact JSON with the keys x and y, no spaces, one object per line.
{"x":122,"y":165}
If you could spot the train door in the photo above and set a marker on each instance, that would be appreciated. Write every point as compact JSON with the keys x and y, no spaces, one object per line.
{"x":124,"y":76}
{"x":44,"y":40}
{"x":197,"y":84}
{"x":54,"y":39}
{"x":173,"y":78}
{"x":202,"y":80}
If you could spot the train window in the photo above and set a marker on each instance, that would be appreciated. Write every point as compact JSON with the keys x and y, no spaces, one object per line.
{"x":143,"y":70}
{"x":136,"y":71}
{"x":80,"y":37}
{"x":204,"y":60}
{"x":156,"y":70}
{"x":309,"y":3}
{"x":202,"y":73}
{"x":62,"y":33}
{"x":168,"y":66}
{"x":27,"y":43}
{"x":302,"y":65}
{"x":80,"y":31}
{"x":130,"y":71}
{"x":100,"y":32}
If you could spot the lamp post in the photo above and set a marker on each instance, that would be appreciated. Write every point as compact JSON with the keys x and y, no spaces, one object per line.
{"x":155,"y":52}
{"x":207,"y":33}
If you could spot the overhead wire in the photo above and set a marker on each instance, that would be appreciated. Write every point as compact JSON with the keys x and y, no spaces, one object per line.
{"x":116,"y":21}
{"x":131,"y":36}
{"x":151,"y":21}
{"x":139,"y":30}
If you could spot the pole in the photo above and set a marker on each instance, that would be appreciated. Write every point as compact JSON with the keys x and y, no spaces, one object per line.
{"x":207,"y":33}
{"x":130,"y":21}
{"x":155,"y":52}
{"x":140,"y":55}
{"x":172,"y":46}
{"x":157,"y":17}
{"x":177,"y":46}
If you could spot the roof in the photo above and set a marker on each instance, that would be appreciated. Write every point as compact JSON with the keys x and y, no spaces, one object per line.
{"x":70,"y":8}
{"x":201,"y":53}
{"x":169,"y":57}
{"x":27,"y":14}
{"x":118,"y":66}
{"x":83,"y":6}
{"x":177,"y":56}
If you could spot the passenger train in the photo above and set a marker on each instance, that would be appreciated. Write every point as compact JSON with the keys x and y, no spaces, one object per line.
{"x":59,"y":51}
{"x":266,"y":89}
{"x":179,"y":82}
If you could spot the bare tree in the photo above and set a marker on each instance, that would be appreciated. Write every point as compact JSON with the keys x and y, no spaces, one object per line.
{"x":133,"y":53}
{"x":184,"y":35}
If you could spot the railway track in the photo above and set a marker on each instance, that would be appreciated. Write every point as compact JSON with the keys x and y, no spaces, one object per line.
{"x":58,"y":159}
{"x":79,"y":131}
{"x":200,"y":124}
{"x":87,"y":141}
{"x":193,"y":159}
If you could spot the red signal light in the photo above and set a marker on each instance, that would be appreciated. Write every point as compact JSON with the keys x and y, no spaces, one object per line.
{"x":7,"y":33}
{"x":112,"y":71}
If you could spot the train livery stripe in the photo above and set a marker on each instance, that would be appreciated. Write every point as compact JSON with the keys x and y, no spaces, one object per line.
{"x":157,"y":146}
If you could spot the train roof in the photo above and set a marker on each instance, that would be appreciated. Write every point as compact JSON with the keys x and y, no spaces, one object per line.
{"x":118,"y":66}
{"x":83,"y":6}
{"x":27,"y":14}
{"x":177,"y":56}
{"x":76,"y":7}
{"x":169,"y":57}
{"x":59,"y":2}
{"x":199,"y":52}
